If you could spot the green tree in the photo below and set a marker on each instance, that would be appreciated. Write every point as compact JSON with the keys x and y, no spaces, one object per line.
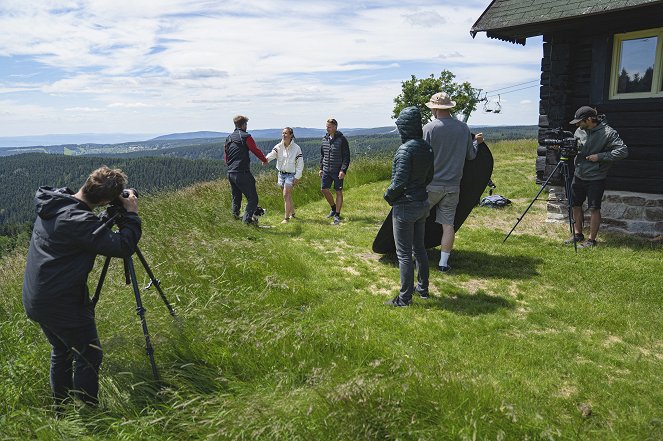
{"x":417,"y":92}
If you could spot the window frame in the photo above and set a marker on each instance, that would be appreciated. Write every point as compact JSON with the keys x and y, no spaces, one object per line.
{"x":657,"y":80}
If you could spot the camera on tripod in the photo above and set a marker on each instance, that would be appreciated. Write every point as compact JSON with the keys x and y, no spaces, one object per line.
{"x":567,"y":143}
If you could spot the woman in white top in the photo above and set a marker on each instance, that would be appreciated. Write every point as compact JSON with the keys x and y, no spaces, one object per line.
{"x":290,"y":164}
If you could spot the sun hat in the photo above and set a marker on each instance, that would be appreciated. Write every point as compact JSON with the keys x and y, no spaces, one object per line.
{"x":440,"y":100}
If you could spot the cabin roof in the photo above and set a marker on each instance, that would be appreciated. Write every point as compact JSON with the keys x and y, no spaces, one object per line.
{"x":515,"y":20}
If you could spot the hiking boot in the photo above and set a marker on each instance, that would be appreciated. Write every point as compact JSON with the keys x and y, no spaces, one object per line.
{"x":331,"y":214}
{"x":589,"y":243}
{"x":337,"y":220}
{"x":396,"y":301}
{"x":443,"y":268}
{"x":577,"y":238}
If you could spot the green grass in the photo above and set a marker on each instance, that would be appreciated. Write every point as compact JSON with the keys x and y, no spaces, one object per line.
{"x":282,"y":331}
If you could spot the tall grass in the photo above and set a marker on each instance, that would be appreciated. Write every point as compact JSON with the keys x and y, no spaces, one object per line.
{"x":282,"y":333}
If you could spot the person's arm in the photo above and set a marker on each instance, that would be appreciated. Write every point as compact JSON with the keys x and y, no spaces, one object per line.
{"x":616,"y":149}
{"x":251,"y":144}
{"x":345,"y":155}
{"x":322,"y":158}
{"x":273,"y":154}
{"x":472,"y":148}
{"x":299,"y":164}
{"x":400,"y":170}
{"x":122,"y":243}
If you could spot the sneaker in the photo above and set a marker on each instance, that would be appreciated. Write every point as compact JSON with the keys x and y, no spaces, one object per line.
{"x":397,"y":302}
{"x":589,"y":243}
{"x":292,"y":216}
{"x":337,"y":220}
{"x":252,"y":223}
{"x":284,"y":221}
{"x":236,"y":216}
{"x":331,"y":214}
{"x":577,"y":238}
{"x":423,"y":294}
{"x":444,"y":269}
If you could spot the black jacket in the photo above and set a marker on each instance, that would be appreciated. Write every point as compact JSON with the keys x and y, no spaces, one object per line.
{"x":62,"y":253}
{"x":335,"y":154}
{"x":412,"y":169}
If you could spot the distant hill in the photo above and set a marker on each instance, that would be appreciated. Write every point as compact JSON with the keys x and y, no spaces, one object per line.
{"x":75,"y":138}
{"x":190,"y":135}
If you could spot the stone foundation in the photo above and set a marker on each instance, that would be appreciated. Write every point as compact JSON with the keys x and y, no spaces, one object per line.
{"x":621,"y":211}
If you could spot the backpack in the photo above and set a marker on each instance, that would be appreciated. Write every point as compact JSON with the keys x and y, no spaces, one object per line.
{"x":495,"y":201}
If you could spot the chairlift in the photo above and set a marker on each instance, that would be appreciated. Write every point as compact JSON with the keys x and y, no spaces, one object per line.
{"x":498,"y":106}
{"x":486,"y":107}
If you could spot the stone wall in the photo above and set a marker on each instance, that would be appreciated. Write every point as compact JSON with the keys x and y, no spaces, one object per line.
{"x":622,"y":211}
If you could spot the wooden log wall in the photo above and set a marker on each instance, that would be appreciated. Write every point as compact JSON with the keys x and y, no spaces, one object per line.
{"x":575,"y":71}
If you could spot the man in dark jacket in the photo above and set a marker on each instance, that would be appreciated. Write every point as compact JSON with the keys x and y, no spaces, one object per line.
{"x":61,"y":255}
{"x":412,"y":171}
{"x":242,"y":182}
{"x":599,"y":146}
{"x":334,"y":163}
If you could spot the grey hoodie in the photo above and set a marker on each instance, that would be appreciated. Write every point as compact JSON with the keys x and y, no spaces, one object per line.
{"x":604,"y":141}
{"x":62,"y":253}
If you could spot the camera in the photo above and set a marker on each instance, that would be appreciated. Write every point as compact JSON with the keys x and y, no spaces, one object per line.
{"x":567,"y":143}
{"x":117,"y":202}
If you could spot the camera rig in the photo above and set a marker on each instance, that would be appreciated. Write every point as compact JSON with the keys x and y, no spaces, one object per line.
{"x":563,"y":140}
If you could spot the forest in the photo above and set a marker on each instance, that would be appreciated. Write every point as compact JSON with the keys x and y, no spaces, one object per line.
{"x":152,"y":171}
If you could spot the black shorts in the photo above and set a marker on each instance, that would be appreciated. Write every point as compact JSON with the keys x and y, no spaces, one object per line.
{"x":590,"y":190}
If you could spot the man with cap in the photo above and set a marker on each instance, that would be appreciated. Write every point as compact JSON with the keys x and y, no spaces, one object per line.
{"x":452,"y":144}
{"x":599,"y":146}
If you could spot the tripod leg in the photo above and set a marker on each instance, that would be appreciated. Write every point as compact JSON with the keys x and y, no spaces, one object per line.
{"x":129,"y":265}
{"x":100,"y":284}
{"x":569,"y":202}
{"x":155,"y":282}
{"x":559,"y":164}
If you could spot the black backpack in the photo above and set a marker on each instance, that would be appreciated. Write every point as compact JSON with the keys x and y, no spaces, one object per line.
{"x":495,"y":201}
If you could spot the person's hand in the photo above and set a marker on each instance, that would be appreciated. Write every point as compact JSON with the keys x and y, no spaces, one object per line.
{"x":593,"y":158}
{"x":130,"y":203}
{"x":341,"y":175}
{"x":320,"y":173}
{"x":479,"y":138}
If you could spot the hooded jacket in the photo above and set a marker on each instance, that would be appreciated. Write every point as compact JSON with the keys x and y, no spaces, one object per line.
{"x":62,"y":253}
{"x":412,"y":168}
{"x":603,"y":141}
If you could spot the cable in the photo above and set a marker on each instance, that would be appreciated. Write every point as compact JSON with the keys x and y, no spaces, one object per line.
{"x":514,"y":85}
{"x":510,"y":91}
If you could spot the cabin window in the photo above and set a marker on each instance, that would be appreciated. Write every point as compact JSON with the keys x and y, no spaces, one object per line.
{"x":637,"y":65}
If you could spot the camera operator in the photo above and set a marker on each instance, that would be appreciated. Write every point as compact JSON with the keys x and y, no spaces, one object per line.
{"x":61,"y":255}
{"x":599,"y":145}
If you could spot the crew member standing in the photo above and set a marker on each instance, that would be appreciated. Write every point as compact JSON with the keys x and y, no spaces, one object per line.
{"x":334,"y":163}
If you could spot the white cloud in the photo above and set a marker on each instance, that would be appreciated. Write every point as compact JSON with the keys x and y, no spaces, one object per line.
{"x":184,"y":63}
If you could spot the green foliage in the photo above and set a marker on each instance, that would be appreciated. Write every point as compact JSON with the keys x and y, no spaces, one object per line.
{"x":417,"y":92}
{"x":283,"y":335}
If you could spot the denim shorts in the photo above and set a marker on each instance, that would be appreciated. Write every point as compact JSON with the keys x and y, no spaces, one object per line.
{"x":328,"y":178}
{"x":286,"y":179}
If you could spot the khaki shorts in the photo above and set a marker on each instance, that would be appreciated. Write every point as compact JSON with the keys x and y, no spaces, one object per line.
{"x":445,"y":203}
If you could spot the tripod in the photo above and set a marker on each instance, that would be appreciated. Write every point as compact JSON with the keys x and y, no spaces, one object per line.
{"x":564,"y":168}
{"x":130,"y":278}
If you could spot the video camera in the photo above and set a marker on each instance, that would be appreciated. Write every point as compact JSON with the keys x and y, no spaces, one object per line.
{"x":567,"y":143}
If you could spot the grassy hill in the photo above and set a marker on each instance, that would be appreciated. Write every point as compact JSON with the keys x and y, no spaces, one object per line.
{"x":282,"y":333}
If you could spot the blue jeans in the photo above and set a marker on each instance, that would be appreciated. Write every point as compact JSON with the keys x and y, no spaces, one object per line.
{"x":409,"y":222}
{"x":74,"y":365}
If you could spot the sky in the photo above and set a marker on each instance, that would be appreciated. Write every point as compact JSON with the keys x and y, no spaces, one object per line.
{"x":167,"y":66}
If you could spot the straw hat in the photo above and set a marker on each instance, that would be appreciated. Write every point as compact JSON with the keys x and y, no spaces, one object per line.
{"x":440,"y":100}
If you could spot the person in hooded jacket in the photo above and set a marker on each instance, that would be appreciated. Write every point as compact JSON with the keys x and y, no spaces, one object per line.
{"x":60,"y":257}
{"x":412,"y":171}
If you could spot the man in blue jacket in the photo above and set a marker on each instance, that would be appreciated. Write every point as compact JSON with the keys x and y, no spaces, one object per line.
{"x":61,"y":255}
{"x":599,"y":146}
{"x":334,"y":163}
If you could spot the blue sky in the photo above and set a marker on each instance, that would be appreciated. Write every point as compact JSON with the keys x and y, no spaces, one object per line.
{"x":164,"y":66}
